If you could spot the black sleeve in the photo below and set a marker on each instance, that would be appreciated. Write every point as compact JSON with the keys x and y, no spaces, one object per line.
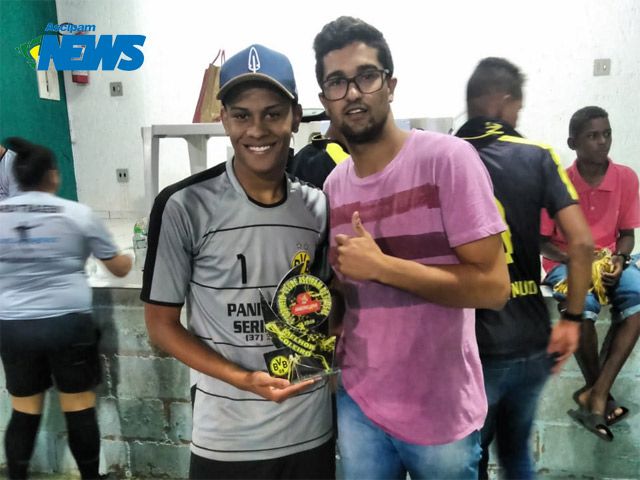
{"x":321,"y":267}
{"x":559,"y":192}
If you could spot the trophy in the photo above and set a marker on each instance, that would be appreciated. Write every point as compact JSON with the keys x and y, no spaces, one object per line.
{"x":300,"y":305}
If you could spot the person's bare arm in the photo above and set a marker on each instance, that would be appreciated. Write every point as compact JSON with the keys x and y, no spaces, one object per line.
{"x":168,"y":334}
{"x":119,"y":265}
{"x":626,"y":241}
{"x":579,"y":256}
{"x":481,"y":280}
{"x":550,"y":251}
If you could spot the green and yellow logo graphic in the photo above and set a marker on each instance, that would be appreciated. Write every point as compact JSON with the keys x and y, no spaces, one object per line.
{"x":30,"y":50}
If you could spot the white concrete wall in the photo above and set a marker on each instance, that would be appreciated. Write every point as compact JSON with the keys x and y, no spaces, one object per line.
{"x":554,"y":43}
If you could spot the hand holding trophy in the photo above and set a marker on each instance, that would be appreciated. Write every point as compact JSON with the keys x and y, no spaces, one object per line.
{"x":301,"y":304}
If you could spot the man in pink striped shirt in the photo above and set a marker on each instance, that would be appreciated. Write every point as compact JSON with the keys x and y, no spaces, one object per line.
{"x":415,"y":242}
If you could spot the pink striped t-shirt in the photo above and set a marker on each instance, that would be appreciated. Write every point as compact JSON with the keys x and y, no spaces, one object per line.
{"x":412,"y":366}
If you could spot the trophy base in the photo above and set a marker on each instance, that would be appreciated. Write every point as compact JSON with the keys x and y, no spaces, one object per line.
{"x":319,"y":376}
{"x":283,"y":363}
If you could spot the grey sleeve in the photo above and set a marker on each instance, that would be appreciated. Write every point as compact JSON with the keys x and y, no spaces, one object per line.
{"x":101,"y":243}
{"x":167,"y":270}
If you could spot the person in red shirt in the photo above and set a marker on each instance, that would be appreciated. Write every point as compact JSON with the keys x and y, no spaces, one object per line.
{"x":609,"y":199}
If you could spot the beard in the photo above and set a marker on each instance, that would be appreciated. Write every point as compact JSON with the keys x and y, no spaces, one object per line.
{"x":370,"y":134}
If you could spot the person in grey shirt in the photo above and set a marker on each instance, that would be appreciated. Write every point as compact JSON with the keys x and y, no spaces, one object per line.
{"x":47,"y":335}
{"x":8,"y":184}
{"x":218,"y":238}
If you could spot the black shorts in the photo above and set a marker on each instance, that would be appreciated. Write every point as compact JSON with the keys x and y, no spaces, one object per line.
{"x":318,"y":463}
{"x":59,"y":350}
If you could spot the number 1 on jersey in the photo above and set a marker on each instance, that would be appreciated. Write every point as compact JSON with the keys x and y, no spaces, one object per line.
{"x":243,"y":266}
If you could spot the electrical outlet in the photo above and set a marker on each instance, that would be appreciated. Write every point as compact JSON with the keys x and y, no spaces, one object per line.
{"x":601,"y":66}
{"x":116,"y":89}
{"x":122,"y":174}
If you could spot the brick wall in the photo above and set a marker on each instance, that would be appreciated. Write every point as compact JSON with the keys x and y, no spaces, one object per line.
{"x":562,"y":448}
{"x":144,"y":409}
{"x":145,"y":412}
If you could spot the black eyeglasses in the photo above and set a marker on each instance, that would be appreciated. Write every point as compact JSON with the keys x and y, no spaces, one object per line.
{"x":369,"y":81}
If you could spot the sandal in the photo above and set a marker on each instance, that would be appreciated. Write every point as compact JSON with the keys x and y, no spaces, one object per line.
{"x":594,"y":422}
{"x":612,"y":406}
{"x":610,"y":417}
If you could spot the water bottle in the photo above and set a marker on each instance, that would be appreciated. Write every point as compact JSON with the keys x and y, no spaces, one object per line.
{"x":140,"y":243}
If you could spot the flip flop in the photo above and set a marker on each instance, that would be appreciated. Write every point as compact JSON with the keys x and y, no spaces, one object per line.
{"x":612,"y":406}
{"x":593,"y":422}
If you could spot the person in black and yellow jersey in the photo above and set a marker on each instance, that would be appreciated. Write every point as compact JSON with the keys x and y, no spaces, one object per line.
{"x":314,"y":162}
{"x":518,"y":347}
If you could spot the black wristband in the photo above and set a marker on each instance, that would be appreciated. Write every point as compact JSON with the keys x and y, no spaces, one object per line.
{"x":572,"y":317}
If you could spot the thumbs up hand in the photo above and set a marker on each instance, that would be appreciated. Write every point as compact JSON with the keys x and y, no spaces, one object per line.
{"x":358,"y":256}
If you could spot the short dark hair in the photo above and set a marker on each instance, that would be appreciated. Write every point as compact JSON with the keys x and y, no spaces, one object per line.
{"x":344,"y":31}
{"x":582,"y":117}
{"x":32,"y":162}
{"x":495,"y":75}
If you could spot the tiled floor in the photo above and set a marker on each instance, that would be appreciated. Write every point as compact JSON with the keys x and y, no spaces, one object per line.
{"x":54,"y":476}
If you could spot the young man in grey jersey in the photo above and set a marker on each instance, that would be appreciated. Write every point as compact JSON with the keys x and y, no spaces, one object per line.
{"x":215,"y":239}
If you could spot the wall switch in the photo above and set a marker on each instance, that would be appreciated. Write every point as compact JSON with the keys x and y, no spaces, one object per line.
{"x":601,"y":66}
{"x":122,"y":174}
{"x":48,"y":87}
{"x":116,"y":89}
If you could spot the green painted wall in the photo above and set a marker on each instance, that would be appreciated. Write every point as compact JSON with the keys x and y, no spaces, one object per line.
{"x":22,"y":112}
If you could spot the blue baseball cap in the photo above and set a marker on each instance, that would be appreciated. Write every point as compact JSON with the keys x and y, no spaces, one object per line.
{"x":258,"y":63}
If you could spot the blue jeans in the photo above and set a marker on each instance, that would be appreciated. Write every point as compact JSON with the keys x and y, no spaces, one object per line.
{"x":624,"y":297}
{"x":369,"y":452}
{"x":513,"y":387}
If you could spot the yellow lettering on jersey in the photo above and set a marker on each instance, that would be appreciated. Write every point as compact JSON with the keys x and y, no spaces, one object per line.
{"x":506,"y":235}
{"x":492,"y":128}
{"x":522,"y":288}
